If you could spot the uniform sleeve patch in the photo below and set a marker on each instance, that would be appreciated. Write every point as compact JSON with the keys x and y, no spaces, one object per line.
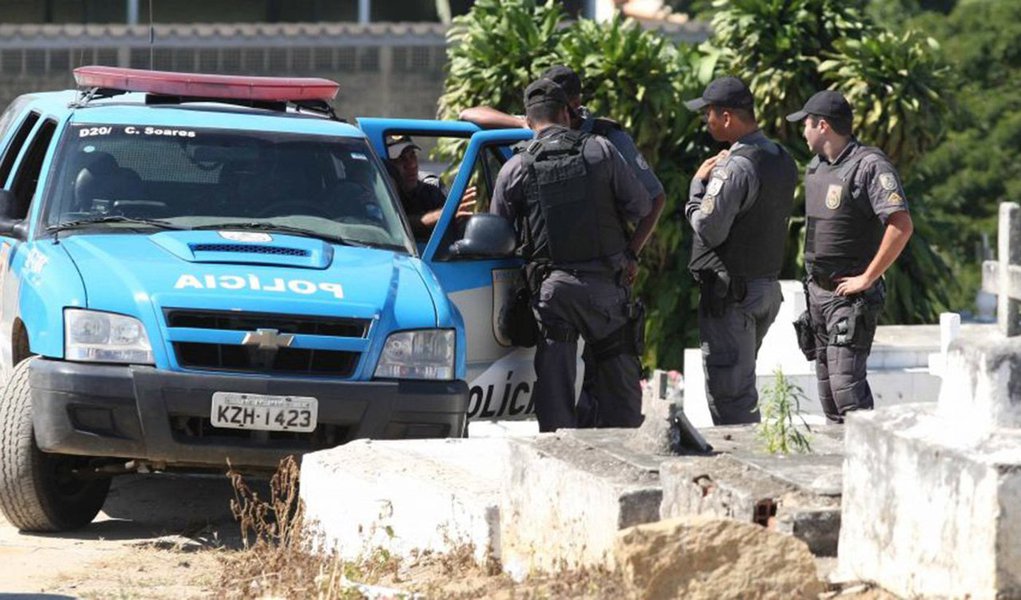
{"x":895,"y":199}
{"x":708,"y":205}
{"x":888,"y":181}
{"x":640,"y":161}
{"x":715,"y":185}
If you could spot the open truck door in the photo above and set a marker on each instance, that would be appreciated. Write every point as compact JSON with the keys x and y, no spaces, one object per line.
{"x":500,"y":376}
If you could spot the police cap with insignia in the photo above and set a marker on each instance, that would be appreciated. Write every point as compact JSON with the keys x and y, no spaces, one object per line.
{"x":725,"y":92}
{"x":827,"y":103}
{"x":544,"y":91}
{"x":566,"y":78}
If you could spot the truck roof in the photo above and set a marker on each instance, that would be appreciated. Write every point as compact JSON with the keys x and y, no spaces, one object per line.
{"x":131,"y":109}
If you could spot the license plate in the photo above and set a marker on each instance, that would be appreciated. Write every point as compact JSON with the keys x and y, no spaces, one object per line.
{"x":268,"y":413}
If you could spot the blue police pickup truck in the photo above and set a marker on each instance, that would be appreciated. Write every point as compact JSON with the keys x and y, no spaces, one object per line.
{"x":203,"y":268}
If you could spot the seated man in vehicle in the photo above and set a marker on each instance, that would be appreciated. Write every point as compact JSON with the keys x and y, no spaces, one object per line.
{"x":422,"y":195}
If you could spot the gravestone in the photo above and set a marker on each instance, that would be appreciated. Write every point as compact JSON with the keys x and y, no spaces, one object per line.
{"x":932,"y":493}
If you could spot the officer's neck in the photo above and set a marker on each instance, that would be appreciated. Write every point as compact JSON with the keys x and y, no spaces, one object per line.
{"x":834,"y":147}
{"x":740,"y":130}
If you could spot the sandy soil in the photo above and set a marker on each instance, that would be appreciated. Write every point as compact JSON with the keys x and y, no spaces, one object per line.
{"x":159,"y":536}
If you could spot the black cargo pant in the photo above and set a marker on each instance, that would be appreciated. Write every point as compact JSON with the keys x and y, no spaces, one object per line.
{"x":844,"y":329}
{"x":591,"y":305}
{"x":730,"y":339}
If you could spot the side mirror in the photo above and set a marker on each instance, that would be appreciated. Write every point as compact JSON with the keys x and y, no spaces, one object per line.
{"x":11,"y":222}
{"x":486,"y":236}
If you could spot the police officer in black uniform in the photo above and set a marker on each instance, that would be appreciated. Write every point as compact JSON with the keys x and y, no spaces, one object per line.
{"x":569,"y":194}
{"x":739,"y":203}
{"x":583,"y":120}
{"x":858,"y":224}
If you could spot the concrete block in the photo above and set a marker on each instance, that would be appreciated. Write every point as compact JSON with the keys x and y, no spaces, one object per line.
{"x":407,"y":496}
{"x":570,"y":493}
{"x":927,"y":512}
{"x":732,"y":487}
{"x":982,"y":384}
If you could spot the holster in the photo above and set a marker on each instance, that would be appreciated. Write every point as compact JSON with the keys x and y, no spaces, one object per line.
{"x":717,"y":289}
{"x":628,"y":339}
{"x":805,"y":332}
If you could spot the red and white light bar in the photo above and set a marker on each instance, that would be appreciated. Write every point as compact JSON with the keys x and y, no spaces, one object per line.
{"x":199,"y":85}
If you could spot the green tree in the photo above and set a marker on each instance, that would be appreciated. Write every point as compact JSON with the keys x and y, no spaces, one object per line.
{"x":898,"y":85}
{"x":641,"y":80}
{"x":965,"y":177}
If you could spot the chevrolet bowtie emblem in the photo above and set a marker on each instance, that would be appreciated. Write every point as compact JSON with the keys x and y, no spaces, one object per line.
{"x":268,"y":339}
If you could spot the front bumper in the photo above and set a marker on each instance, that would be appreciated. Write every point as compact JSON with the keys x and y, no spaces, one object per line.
{"x":134,"y":412}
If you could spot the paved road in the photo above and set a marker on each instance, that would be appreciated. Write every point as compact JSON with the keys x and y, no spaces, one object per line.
{"x":143,"y":513}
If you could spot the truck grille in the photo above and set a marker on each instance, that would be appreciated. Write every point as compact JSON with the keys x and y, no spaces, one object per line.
{"x":295,"y":324}
{"x":247,"y":359}
{"x":252,"y":359}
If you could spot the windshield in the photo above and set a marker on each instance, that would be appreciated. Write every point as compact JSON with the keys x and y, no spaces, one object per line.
{"x":124,"y":176}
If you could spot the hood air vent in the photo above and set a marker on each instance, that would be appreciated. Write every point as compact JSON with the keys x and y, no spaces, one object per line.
{"x":249,"y":249}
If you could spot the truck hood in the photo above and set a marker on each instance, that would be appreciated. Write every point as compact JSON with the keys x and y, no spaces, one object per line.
{"x":130,"y":273}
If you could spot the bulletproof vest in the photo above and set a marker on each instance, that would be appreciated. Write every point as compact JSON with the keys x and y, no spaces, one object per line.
{"x":570,"y":214}
{"x":755,"y":244}
{"x":843,"y":232}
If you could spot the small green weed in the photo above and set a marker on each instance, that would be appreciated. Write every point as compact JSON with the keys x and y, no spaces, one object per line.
{"x":779,"y":404}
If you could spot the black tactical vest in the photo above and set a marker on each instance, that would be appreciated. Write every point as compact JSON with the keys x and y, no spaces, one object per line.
{"x":570,"y":212}
{"x":843,"y":232}
{"x":755,"y":244}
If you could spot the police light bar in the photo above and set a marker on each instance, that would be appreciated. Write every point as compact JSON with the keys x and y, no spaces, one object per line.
{"x":199,"y":85}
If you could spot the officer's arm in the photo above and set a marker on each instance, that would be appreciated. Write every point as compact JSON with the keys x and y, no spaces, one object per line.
{"x":645,"y":227}
{"x":879,"y":180}
{"x":504,"y":190}
{"x":899,"y":228}
{"x":490,"y":118}
{"x":632,"y":198}
{"x":713,"y":206}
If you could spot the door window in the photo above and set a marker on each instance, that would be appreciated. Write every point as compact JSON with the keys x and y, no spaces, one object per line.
{"x":12,"y":151}
{"x":27,"y":177}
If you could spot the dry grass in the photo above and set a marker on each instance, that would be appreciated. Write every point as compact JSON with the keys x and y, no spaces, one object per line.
{"x":283,"y":559}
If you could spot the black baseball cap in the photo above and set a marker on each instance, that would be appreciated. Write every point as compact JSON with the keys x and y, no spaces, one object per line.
{"x":827,"y":103}
{"x":728,"y":92}
{"x":397,"y":144}
{"x":566,"y":78}
{"x":544,"y":91}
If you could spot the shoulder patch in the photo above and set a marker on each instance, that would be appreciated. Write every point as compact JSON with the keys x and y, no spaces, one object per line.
{"x":640,"y":161}
{"x":895,"y":199}
{"x":708,"y":205}
{"x":888,"y":181}
{"x":715,"y":185}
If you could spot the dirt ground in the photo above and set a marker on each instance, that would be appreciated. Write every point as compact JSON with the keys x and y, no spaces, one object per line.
{"x":169,"y":536}
{"x":159,"y":536}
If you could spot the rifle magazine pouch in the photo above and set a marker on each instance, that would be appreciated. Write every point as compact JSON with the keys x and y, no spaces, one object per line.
{"x":806,"y":335}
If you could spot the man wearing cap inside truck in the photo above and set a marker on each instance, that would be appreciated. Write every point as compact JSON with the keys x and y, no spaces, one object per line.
{"x":422,"y":194}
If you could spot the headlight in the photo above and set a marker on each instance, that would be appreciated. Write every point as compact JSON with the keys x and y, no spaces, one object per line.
{"x":424,"y":354}
{"x":105,"y":337}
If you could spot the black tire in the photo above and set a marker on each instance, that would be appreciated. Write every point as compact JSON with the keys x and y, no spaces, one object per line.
{"x":39,"y":491}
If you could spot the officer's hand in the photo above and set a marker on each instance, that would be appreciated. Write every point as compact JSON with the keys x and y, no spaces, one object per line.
{"x":466,"y":208}
{"x":707,"y":167}
{"x":848,"y":286}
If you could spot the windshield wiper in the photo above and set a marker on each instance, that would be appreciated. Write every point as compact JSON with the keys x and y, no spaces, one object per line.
{"x":111,"y":219}
{"x":257,"y":225}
